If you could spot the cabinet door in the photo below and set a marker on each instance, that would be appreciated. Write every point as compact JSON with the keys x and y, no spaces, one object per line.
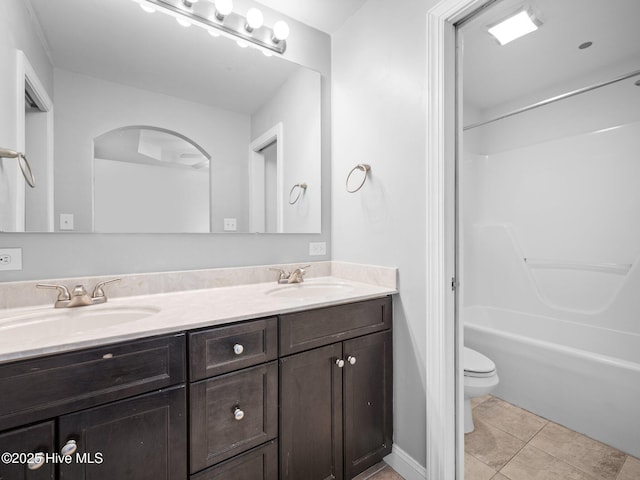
{"x":29,"y":440}
{"x":311,"y":415}
{"x":141,"y":438}
{"x":368,"y":399}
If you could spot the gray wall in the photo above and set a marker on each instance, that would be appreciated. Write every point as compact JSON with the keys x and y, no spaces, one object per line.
{"x":379,"y":117}
{"x":50,"y":255}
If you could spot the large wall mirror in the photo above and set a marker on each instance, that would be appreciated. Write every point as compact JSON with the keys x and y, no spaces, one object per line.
{"x":134,"y":123}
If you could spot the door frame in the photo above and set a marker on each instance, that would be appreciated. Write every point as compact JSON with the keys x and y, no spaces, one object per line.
{"x":444,"y":425}
{"x":27,"y":79}
{"x":257,"y":221}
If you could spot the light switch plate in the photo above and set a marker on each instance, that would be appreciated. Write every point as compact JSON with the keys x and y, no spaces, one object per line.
{"x":10,"y":259}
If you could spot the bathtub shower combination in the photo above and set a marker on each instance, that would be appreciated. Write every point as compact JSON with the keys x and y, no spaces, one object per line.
{"x":550,"y":254}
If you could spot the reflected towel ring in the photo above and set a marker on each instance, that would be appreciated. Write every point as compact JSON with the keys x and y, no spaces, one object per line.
{"x":302,"y":187}
{"x":361,"y":166}
{"x":22,"y":162}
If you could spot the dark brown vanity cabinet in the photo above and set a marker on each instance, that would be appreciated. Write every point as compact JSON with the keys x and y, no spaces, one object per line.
{"x":335,"y":399}
{"x":115,"y":411}
{"x":234,"y":401}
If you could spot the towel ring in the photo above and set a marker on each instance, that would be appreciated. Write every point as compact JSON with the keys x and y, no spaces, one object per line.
{"x":22,"y":162}
{"x":361,"y":166}
{"x":302,"y":187}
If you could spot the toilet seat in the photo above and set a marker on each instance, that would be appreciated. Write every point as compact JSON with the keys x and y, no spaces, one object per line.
{"x":477,"y":365}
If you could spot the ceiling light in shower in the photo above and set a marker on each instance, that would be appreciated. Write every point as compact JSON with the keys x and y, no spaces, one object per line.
{"x":515,"y":26}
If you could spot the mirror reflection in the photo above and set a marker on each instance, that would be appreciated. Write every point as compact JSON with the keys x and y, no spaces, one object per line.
{"x":90,"y":82}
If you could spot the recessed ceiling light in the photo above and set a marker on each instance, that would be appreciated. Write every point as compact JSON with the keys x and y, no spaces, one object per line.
{"x":584,"y":45}
{"x":515,"y":26}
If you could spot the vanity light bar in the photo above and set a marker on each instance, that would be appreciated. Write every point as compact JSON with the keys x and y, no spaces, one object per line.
{"x":231,"y":25}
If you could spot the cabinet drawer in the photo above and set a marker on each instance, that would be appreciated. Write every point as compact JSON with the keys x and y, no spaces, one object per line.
{"x":54,"y":385}
{"x":29,"y":440}
{"x":216,"y":432}
{"x":224,"y":349}
{"x":261,"y":463}
{"x":315,"y":328}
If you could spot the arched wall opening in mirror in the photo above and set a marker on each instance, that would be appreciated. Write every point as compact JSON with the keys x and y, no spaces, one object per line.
{"x":150,"y":180}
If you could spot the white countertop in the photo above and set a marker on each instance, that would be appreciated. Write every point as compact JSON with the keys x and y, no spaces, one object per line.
{"x":173,"y":312}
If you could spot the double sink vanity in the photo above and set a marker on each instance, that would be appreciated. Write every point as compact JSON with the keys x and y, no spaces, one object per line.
{"x":244,"y":381}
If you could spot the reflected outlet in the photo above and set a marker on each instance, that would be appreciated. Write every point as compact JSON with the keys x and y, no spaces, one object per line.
{"x":10,"y":259}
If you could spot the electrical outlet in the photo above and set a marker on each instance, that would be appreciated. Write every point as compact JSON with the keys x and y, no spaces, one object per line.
{"x":10,"y":259}
{"x":230,"y":225}
{"x":66,"y":221}
{"x":317,"y":248}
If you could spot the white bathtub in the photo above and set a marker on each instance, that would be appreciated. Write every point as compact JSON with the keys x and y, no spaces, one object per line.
{"x":583,"y":377}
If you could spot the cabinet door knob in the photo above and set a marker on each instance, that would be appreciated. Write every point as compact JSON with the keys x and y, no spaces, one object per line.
{"x":238,"y":349}
{"x":351,"y":360}
{"x":36,"y":462}
{"x":69,"y":448}
{"x":238,"y":414}
{"x":340,"y":362}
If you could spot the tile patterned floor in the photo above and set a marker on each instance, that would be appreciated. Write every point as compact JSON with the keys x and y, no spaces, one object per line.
{"x":510,"y":443}
{"x":380,"y":471}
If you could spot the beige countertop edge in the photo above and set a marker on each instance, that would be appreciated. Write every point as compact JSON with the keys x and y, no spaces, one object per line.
{"x":181,"y":311}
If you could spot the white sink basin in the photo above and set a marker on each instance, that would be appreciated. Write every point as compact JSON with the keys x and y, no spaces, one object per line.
{"x":310,"y":291}
{"x":67,"y":322}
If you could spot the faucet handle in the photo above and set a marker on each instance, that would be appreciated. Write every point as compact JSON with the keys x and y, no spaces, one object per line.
{"x":63,"y":292}
{"x":98,"y":295}
{"x":283,"y":273}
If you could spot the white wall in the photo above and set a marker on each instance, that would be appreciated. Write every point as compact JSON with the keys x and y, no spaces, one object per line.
{"x":297,"y":106}
{"x":558,"y":183}
{"x":175,"y":200}
{"x":379,"y":118}
{"x":15,"y":34}
{"x":86,"y":108}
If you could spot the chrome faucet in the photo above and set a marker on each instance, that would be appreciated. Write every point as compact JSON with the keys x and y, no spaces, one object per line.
{"x":296,"y":276}
{"x":79,"y":296}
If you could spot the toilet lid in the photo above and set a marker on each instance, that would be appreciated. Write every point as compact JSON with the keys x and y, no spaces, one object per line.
{"x":475,"y":362}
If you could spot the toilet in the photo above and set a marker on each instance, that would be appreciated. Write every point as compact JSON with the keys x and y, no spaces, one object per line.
{"x":480,"y":378}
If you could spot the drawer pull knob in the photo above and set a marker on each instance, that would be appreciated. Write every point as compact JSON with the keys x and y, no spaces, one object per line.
{"x":238,"y":349}
{"x":340,"y":362}
{"x":351,"y":360}
{"x":238,"y":414}
{"x":69,"y":448}
{"x":36,"y":462}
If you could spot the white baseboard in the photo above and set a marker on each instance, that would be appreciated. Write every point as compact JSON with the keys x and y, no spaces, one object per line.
{"x":405,"y":465}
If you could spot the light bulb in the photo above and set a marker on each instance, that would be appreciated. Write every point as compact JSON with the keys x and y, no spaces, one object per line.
{"x":223,"y":8}
{"x":242,"y":44}
{"x":214,"y":33}
{"x":267,"y":53}
{"x":147,"y":8}
{"x":183,"y":22}
{"x":280,"y":31}
{"x":254,"y":19}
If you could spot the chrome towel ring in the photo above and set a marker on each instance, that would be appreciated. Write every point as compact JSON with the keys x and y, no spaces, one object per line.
{"x":22,"y":162}
{"x":302,"y":188}
{"x":363,"y":167}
